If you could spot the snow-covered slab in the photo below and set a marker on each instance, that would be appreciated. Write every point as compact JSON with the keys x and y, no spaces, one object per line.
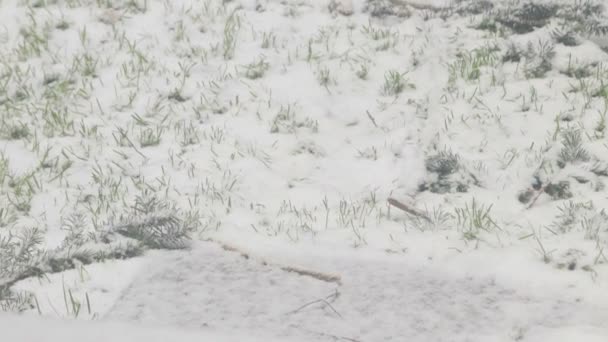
{"x":36,"y":329}
{"x":28,"y":328}
{"x":379,"y":299}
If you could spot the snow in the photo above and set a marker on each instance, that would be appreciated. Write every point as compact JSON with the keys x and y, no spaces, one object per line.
{"x":95,"y":286}
{"x":21,"y":328}
{"x":208,"y":291}
{"x":378,"y":298}
{"x":28,"y":328}
{"x":287,"y":172}
{"x":35,"y":329}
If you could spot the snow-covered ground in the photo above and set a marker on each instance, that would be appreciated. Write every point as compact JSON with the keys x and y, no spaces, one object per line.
{"x":225,"y":167}
{"x":329,"y":295}
{"x":35,"y":329}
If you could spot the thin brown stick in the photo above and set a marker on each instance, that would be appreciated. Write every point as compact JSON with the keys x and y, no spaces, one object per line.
{"x":540,"y":192}
{"x":371,"y":118}
{"x":328,"y":278}
{"x":408,"y":209}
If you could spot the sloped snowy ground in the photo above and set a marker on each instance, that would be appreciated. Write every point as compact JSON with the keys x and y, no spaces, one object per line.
{"x":281,"y":128}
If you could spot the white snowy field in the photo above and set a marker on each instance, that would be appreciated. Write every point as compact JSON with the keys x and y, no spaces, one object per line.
{"x":225,"y":168}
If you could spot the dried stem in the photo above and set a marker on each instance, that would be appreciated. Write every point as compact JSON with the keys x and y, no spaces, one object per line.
{"x":408,"y":209}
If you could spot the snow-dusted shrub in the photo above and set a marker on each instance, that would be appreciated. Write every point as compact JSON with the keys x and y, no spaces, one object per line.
{"x":565,"y":37}
{"x":473,"y":7}
{"x":151,"y":223}
{"x":447,"y":174}
{"x":527,"y":17}
{"x":583,"y":216}
{"x":538,"y":59}
{"x":156,"y":223}
{"x":572,"y":150}
{"x":559,"y":190}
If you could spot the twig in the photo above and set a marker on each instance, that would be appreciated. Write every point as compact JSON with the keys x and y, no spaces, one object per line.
{"x":369,"y":115}
{"x":408,"y":209}
{"x":540,"y":192}
{"x":124,"y":135}
{"x":328,"y":278}
{"x":333,"y":296}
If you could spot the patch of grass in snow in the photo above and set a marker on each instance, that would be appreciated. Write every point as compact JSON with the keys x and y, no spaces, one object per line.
{"x":362,"y":71}
{"x":565,"y":37}
{"x":578,"y":71}
{"x":522,"y":17}
{"x":150,"y":137}
{"x":572,"y":148}
{"x":157,"y":224}
{"x":231,"y":30}
{"x":539,"y":59}
{"x":383,"y":38}
{"x":14,"y":131}
{"x":469,"y":65}
{"x":558,"y":190}
{"x":151,"y":224}
{"x":527,"y":16}
{"x":447,"y":174}
{"x":431,"y":220}
{"x":257,"y":69}
{"x":475,"y":218}
{"x":395,"y":83}
{"x":286,"y":120}
{"x":324,"y":77}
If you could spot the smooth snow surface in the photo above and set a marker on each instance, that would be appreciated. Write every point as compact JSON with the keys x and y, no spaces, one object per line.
{"x":36,"y":329}
{"x":385,"y":299}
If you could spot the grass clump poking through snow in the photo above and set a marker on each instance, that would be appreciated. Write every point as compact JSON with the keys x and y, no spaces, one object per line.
{"x":151,"y":224}
{"x":566,"y":38}
{"x":157,"y":224}
{"x":447,"y":174}
{"x":474,"y":218}
{"x":286,"y":121}
{"x":231,"y":30}
{"x":558,"y":190}
{"x":256,"y":69}
{"x":394,"y":83}
{"x":523,"y":17}
{"x":20,"y":256}
{"x":444,"y":163}
{"x":468,"y":65}
{"x":527,"y":17}
{"x":149,"y":137}
{"x":572,"y":150}
{"x":539,"y":59}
